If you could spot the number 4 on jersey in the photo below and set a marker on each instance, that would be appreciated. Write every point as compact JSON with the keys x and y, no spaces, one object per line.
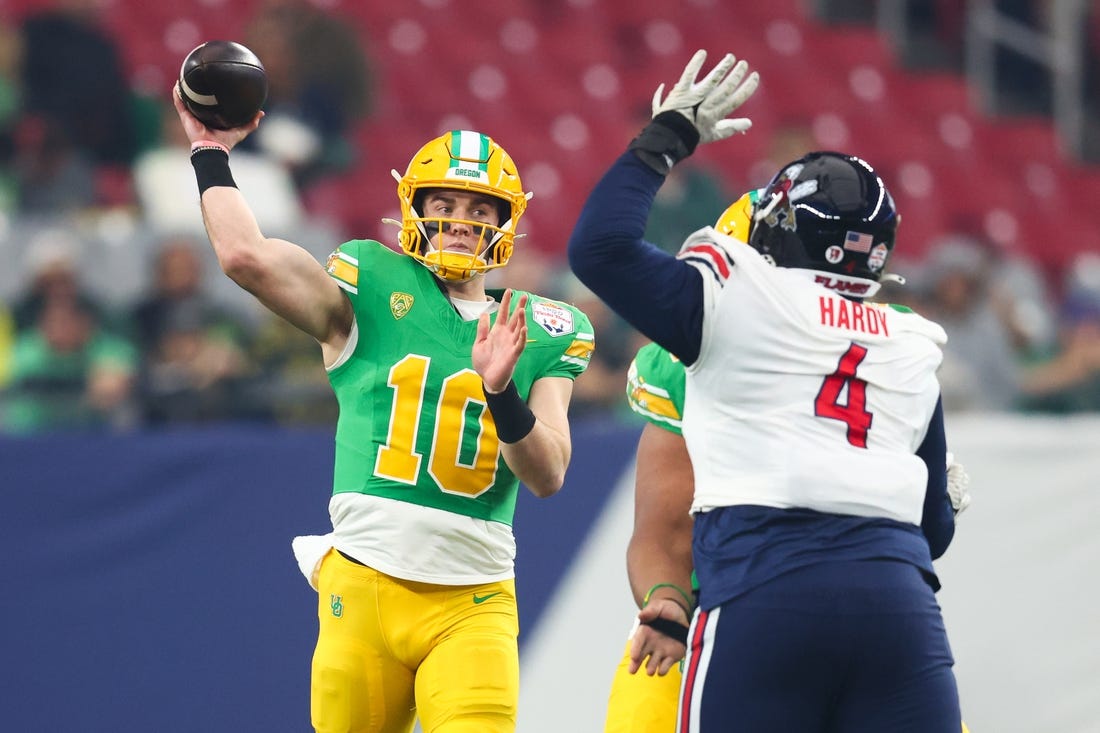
{"x":852,"y":413}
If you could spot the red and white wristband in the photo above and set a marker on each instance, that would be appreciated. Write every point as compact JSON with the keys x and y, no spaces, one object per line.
{"x":208,"y":145}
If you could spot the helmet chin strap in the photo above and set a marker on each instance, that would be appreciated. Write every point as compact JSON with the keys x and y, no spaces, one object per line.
{"x":892,"y":277}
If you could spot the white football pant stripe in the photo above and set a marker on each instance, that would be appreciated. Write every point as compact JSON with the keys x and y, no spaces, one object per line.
{"x":696,"y":674}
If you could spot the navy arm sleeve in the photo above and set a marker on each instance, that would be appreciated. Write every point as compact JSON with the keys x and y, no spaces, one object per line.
{"x":656,"y":293}
{"x":938,"y":520}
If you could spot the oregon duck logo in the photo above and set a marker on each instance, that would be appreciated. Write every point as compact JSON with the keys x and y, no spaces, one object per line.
{"x":400,"y":304}
{"x":336,"y":603}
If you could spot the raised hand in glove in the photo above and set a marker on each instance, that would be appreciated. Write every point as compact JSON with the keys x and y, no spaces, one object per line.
{"x":706,"y":103}
{"x":695,"y":111}
{"x":958,"y":483}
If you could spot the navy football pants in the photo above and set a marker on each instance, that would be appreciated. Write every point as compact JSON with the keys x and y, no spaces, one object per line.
{"x":851,"y":647}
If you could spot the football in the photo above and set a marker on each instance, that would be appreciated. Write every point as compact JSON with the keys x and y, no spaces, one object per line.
{"x":223,"y":84}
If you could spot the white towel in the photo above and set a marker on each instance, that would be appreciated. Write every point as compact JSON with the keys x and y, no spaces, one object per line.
{"x":309,"y":550}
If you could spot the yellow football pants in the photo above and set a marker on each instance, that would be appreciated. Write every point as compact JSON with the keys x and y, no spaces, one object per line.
{"x":640,"y":703}
{"x":389,"y":650}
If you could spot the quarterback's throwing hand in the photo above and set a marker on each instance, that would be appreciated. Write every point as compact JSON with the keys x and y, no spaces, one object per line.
{"x":708,"y":102}
{"x":196,"y":130}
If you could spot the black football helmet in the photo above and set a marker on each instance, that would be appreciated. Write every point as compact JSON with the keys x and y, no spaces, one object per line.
{"x":827,"y":211}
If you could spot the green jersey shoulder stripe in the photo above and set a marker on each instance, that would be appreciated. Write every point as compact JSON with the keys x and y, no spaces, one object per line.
{"x":655,"y":387}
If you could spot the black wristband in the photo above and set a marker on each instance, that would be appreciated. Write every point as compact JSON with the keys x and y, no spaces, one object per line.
{"x":665,"y":141}
{"x":672,"y":629}
{"x":513,"y":418}
{"x":212,"y":168}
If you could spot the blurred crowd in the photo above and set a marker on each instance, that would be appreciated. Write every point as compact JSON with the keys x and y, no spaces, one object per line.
{"x":114,"y":315}
{"x":112,"y":311}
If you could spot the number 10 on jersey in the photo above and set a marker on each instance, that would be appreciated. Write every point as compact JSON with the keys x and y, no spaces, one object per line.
{"x":464,"y":447}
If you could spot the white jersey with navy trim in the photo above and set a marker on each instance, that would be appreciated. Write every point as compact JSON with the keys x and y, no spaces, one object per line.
{"x":801,"y":397}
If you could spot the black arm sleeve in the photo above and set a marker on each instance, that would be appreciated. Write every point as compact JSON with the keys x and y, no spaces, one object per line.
{"x":938,"y":520}
{"x":656,"y":293}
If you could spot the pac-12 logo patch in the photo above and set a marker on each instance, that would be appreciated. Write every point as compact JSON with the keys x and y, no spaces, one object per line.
{"x":555,"y":320}
{"x":400,"y":304}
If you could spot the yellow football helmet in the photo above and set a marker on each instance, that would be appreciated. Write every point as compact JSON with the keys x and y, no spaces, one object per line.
{"x":736,"y":221}
{"x":462,"y":160}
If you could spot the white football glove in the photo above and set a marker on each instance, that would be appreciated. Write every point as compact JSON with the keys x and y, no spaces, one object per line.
{"x":958,"y":481}
{"x":706,"y":103}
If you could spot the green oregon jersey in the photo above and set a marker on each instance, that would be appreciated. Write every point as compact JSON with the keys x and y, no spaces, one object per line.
{"x":413,"y":422}
{"x":655,"y":387}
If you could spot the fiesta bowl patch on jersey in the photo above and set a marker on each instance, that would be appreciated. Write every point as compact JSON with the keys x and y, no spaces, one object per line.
{"x":554,"y":319}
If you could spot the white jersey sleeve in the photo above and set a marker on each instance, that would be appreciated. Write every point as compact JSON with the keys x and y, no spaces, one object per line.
{"x":801,"y":397}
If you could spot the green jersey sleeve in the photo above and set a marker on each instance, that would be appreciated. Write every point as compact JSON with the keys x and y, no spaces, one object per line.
{"x":655,"y":387}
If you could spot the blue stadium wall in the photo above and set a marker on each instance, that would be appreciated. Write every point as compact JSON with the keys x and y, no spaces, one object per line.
{"x":149,"y":585}
{"x":147,"y":582}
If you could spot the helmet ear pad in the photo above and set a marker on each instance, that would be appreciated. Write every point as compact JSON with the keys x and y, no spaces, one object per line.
{"x":504,"y":211}
{"x":418,"y":207}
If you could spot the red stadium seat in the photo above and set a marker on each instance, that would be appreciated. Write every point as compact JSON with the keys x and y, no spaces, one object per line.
{"x":947,"y":163}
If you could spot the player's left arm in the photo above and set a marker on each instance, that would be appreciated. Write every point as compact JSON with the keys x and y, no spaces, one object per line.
{"x":938,"y":519}
{"x":607,"y":250}
{"x":534,"y":435}
{"x":658,"y":558}
{"x":660,"y":546}
{"x":610,"y":232}
{"x":541,"y":458}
